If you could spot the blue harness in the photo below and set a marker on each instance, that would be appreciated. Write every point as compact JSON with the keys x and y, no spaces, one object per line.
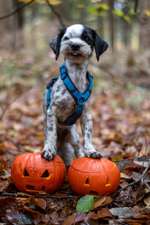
{"x":80,"y":98}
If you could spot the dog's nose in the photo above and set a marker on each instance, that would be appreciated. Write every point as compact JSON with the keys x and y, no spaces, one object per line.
{"x":75,"y":47}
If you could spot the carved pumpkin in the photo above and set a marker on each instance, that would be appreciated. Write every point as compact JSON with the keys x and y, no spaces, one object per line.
{"x":89,"y":176}
{"x":31,"y":173}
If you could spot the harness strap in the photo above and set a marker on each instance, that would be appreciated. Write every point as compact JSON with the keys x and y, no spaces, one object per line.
{"x":80,"y":98}
{"x":48,"y":91}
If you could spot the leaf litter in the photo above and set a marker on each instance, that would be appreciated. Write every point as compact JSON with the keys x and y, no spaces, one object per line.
{"x":121,"y":132}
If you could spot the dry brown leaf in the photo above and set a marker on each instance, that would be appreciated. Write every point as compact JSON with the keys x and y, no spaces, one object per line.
{"x":147,"y":201}
{"x":70,"y":220}
{"x":106,"y":200}
{"x":39,"y":202}
{"x":102,"y":213}
{"x":125,"y":176}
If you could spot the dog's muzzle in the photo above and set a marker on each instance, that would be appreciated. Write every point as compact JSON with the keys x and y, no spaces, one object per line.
{"x":75,"y":47}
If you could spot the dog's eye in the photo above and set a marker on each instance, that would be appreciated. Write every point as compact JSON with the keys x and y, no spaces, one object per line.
{"x":87,"y":39}
{"x":66,"y":38}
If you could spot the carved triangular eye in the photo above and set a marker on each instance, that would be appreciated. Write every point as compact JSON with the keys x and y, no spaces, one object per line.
{"x":45,"y":174}
{"x":87,"y":181}
{"x":25,"y":173}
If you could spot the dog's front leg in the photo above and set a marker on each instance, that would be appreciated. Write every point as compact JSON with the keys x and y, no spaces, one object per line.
{"x":49,"y":150}
{"x":75,"y":141}
{"x":87,"y":126}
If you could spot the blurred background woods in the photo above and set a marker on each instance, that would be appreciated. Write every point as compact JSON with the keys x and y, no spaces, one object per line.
{"x":123,"y":23}
{"x":28,"y":25}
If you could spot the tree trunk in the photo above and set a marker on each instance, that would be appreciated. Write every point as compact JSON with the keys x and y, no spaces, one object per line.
{"x":144,"y":6}
{"x":126,"y":33}
{"x":10,"y":27}
{"x":111,"y":23}
{"x":19,"y":24}
{"x":83,"y":12}
{"x":100,"y":25}
{"x":7,"y":25}
{"x":65,"y":10}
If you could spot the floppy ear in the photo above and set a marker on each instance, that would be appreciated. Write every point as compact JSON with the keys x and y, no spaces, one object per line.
{"x":100,"y":46}
{"x":55,"y":43}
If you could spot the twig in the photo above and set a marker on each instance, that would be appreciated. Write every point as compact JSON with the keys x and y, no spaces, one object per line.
{"x":141,"y":178}
{"x":59,"y":17}
{"x":37,"y":195}
{"x":16,"y":10}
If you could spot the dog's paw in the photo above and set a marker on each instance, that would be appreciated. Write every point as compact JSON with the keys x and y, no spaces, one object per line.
{"x":92,"y":153}
{"x":48,"y":153}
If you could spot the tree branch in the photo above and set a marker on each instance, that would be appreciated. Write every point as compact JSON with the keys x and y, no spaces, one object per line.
{"x":59,"y":17}
{"x":16,"y":10}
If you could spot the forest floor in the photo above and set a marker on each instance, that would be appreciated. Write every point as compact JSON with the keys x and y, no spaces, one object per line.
{"x":121,"y":115}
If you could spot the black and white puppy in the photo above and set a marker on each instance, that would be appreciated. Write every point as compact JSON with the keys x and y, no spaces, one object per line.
{"x":76,"y":43}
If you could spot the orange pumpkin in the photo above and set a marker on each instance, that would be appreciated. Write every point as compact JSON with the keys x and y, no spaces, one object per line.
{"x":31,"y":173}
{"x":87,"y":176}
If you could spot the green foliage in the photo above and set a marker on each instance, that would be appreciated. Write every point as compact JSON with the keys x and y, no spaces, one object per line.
{"x":98,"y":9}
{"x":52,"y":2}
{"x":120,"y":13}
{"x":85,"y":203}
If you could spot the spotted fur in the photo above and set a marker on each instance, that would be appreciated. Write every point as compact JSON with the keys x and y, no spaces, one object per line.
{"x":76,"y":43}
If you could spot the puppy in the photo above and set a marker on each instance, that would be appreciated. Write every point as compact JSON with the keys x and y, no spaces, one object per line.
{"x":66,"y":97}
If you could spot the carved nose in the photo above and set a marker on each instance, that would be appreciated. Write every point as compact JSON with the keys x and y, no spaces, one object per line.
{"x":75,"y":47}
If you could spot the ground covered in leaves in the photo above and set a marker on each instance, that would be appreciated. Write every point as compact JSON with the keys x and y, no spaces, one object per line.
{"x":121,"y":114}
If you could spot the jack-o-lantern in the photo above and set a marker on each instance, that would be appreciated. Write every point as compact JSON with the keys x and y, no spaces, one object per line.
{"x":97,"y":176}
{"x":31,"y":173}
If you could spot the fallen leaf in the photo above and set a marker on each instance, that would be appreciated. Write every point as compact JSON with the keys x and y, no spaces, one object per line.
{"x":15,"y":217}
{"x":3,"y":165}
{"x":124,"y":212}
{"x":102,"y":201}
{"x":85,"y":203}
{"x":76,"y":218}
{"x":3,"y":185}
{"x":102,"y":213}
{"x":125,"y":176}
{"x":147,"y":201}
{"x":39,"y":202}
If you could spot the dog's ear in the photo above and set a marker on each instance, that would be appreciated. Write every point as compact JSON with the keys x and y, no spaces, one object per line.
{"x":100,"y":45}
{"x":55,"y":43}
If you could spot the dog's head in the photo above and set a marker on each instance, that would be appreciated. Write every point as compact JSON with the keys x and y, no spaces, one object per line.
{"x":77,"y":43}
